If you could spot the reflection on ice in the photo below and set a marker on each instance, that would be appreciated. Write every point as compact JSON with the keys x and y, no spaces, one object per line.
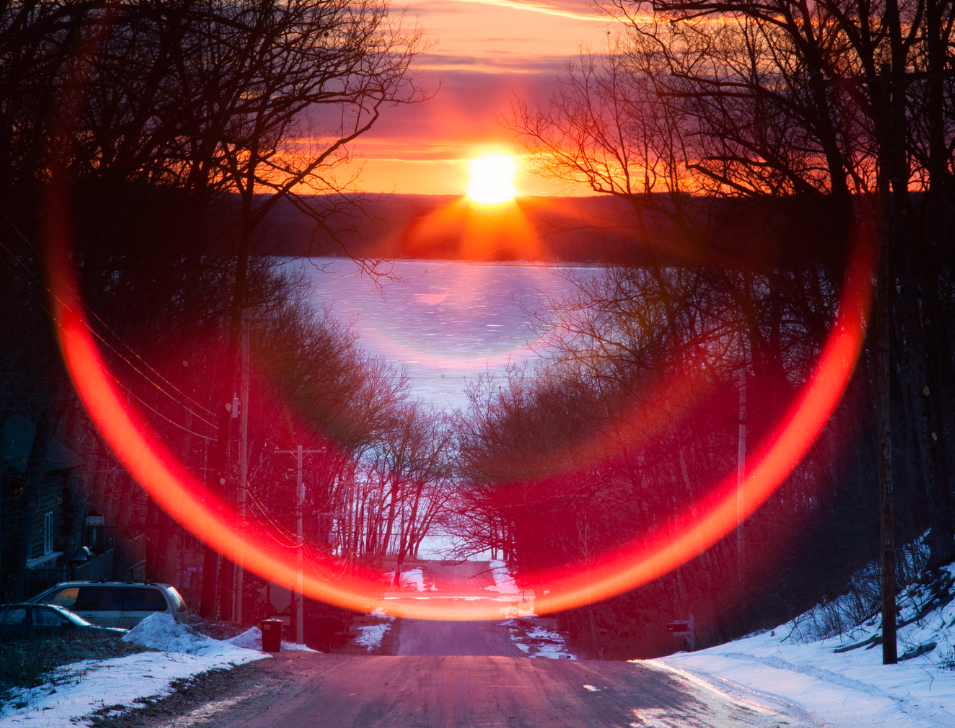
{"x":446,"y":321}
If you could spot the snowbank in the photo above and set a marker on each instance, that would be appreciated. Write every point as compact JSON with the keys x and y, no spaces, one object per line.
{"x":519,"y":612}
{"x":160,"y":631}
{"x":840,"y":680}
{"x":251,"y":639}
{"x":79,"y":689}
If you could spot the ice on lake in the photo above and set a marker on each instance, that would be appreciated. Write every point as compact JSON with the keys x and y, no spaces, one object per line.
{"x":445,"y":321}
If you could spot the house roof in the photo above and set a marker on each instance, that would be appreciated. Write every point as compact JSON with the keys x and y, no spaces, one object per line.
{"x":18,"y":439}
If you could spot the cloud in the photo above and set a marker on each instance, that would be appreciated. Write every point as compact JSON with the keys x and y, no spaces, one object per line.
{"x":488,"y":54}
{"x":572,"y":9}
{"x":498,"y":63}
{"x":464,"y":111}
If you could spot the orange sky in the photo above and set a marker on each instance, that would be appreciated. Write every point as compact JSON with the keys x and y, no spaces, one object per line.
{"x":484,"y":53}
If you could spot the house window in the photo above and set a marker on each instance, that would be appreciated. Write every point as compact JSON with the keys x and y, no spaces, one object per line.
{"x":47,"y":533}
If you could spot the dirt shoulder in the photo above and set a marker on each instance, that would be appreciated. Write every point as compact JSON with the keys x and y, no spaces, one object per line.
{"x":196,"y":699}
{"x":224,"y":684}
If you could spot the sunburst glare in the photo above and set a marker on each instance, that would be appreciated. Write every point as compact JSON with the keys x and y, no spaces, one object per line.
{"x":492,"y":179}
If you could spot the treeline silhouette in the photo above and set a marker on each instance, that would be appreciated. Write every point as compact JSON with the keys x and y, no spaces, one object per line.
{"x":154,"y":138}
{"x":769,"y":137}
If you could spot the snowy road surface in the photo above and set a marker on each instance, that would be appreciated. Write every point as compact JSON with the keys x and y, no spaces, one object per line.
{"x":424,"y":692}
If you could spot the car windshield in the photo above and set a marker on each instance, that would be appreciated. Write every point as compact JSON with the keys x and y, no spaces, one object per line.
{"x":62,"y":594}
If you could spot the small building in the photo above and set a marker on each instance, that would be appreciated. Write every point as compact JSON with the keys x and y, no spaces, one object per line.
{"x":56,"y":532}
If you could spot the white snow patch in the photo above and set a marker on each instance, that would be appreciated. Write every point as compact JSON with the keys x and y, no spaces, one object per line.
{"x":850,"y":689}
{"x":537,"y":641}
{"x":79,"y":689}
{"x":380,"y":613}
{"x":161,"y":632}
{"x":503,"y":581}
{"x":251,"y":639}
{"x":372,"y":635}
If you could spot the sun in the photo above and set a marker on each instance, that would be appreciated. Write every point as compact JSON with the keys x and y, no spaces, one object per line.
{"x":492,"y":179}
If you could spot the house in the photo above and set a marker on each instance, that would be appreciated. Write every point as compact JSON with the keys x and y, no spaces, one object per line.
{"x":35,"y":554}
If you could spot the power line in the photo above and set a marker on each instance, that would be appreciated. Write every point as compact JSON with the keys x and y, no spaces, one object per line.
{"x":124,"y":386}
{"x":105,"y":326}
{"x":112,"y":348}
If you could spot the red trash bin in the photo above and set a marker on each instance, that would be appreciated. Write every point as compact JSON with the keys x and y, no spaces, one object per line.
{"x":271,"y":635}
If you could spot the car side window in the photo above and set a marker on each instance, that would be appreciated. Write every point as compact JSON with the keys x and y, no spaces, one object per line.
{"x":99,"y":599}
{"x":64,"y":597}
{"x":46,"y":618}
{"x":144,"y":599}
{"x":16,"y":615}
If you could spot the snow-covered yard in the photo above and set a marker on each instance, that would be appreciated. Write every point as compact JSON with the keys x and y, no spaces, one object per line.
{"x":840,"y":680}
{"x":80,"y":689}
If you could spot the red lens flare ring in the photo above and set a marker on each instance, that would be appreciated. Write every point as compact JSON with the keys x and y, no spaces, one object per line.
{"x":187,"y":500}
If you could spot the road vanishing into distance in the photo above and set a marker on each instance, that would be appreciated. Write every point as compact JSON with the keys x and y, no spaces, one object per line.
{"x":469,"y":674}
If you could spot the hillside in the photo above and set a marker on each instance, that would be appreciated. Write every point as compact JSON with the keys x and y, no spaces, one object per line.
{"x":596,"y":229}
{"x":586,"y":229}
{"x":827,"y":661}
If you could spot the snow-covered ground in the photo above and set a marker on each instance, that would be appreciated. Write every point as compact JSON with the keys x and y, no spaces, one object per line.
{"x":848,"y":688}
{"x":536,"y":640}
{"x":251,"y":639}
{"x":371,"y":635}
{"x":78,"y":690}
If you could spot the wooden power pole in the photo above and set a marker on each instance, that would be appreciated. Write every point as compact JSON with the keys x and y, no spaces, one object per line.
{"x":297,"y":598}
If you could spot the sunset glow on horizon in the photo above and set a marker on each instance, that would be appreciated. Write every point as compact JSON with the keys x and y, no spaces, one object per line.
{"x":485,"y":56}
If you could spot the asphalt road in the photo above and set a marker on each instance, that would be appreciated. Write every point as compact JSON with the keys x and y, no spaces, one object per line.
{"x":465,"y":675}
{"x":419,"y":638}
{"x":303,"y":690}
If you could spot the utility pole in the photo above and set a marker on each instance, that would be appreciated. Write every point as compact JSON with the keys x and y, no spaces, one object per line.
{"x":879,"y":91}
{"x":244,"y":376}
{"x":297,"y":598}
{"x":300,"y":497}
{"x":740,"y":470}
{"x":886,"y":518}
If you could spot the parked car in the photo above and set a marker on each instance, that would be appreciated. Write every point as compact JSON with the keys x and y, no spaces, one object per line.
{"x":19,"y":621}
{"x":115,"y":603}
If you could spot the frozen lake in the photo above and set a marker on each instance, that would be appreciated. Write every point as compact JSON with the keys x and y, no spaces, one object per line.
{"x":445,"y":321}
